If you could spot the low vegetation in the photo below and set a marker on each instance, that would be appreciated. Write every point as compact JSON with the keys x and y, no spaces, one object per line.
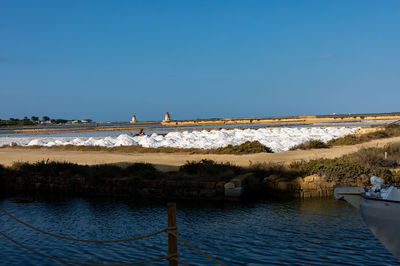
{"x":279,"y":170}
{"x":311,"y":144}
{"x":66,"y":169}
{"x":387,"y":132}
{"x":64,"y":177}
{"x":340,"y":170}
{"x":133,"y":180}
{"x":35,"y":120}
{"x":245,"y":148}
{"x":209,"y":168}
{"x":16,"y":121}
{"x":357,"y":167}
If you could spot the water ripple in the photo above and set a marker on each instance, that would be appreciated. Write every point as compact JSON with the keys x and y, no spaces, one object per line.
{"x":311,"y":232}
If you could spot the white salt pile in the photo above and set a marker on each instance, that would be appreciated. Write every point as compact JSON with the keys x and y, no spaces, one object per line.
{"x":278,"y":139}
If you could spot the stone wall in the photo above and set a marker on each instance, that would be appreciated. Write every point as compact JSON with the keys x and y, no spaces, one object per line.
{"x":307,"y":187}
{"x":163,"y":188}
{"x":245,"y":185}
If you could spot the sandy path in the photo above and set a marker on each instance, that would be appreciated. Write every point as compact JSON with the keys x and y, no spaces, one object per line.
{"x":171,"y":161}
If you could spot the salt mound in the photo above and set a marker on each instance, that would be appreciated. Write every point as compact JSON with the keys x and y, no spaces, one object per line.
{"x":278,"y":139}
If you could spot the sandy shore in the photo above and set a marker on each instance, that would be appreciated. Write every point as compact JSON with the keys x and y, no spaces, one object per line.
{"x":171,"y":161}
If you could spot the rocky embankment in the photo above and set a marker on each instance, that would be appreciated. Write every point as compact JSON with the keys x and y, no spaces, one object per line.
{"x":315,"y":186}
{"x":147,"y":183}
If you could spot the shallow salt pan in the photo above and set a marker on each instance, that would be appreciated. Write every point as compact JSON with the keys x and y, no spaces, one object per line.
{"x":278,"y":139}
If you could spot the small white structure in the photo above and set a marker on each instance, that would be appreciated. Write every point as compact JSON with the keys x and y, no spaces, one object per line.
{"x":133,"y":119}
{"x":167,"y":117}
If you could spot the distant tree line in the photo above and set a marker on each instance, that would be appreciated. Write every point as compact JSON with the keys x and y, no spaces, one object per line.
{"x":34,"y":120}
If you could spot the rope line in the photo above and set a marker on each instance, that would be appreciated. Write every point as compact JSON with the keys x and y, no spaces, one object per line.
{"x":179,"y":261}
{"x":196,"y":249}
{"x":169,"y":230}
{"x":82,"y":263}
{"x":84,"y":240}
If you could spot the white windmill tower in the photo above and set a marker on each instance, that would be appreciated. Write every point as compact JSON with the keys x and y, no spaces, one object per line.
{"x":167,"y":117}
{"x":133,"y":119}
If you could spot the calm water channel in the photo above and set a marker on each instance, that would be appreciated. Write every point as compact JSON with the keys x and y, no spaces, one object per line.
{"x":311,"y":232}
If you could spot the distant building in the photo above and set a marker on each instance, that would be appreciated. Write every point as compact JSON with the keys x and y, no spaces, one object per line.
{"x":133,"y":119}
{"x":167,"y":117}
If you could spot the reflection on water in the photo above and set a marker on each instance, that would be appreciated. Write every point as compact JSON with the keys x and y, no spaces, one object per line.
{"x":253,"y":233}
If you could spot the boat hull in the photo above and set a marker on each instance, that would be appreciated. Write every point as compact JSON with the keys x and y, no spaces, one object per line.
{"x":349,"y":193}
{"x":383,"y":219}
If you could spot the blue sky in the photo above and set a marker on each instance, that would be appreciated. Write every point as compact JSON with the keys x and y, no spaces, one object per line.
{"x":106,"y":60}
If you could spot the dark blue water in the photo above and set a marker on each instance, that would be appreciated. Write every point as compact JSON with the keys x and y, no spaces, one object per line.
{"x":311,"y":232}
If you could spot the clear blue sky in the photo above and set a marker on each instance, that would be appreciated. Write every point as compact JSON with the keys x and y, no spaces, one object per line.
{"x":106,"y":60}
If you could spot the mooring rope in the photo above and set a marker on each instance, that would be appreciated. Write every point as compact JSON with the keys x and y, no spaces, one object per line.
{"x":196,"y":249}
{"x":169,"y":230}
{"x":84,"y":263}
{"x":179,"y":261}
{"x":84,"y":240}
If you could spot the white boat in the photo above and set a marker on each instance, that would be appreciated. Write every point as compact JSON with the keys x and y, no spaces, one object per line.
{"x":380,"y":210}
{"x":350,"y":194}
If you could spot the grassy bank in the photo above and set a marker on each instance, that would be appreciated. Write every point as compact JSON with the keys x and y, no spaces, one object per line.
{"x":387,"y":132}
{"x":203,"y":180}
{"x":245,"y":148}
{"x":366,"y":161}
{"x":311,"y":144}
{"x":355,"y":168}
{"x":195,"y":179}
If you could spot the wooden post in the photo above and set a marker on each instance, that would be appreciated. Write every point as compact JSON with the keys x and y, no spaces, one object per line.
{"x":385,"y":154}
{"x":172,"y":240}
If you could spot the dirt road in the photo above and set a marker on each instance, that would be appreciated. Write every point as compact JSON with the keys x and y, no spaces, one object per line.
{"x":171,"y":161}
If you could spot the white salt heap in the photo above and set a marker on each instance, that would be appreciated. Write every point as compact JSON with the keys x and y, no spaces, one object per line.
{"x":278,"y":139}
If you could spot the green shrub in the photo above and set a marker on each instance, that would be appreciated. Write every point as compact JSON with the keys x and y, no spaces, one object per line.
{"x":93,"y":173}
{"x":372,"y":158}
{"x":393,"y":150}
{"x":45,"y":168}
{"x":337,"y":169}
{"x":393,"y":130}
{"x":341,"y":169}
{"x":208,"y":168}
{"x":143,"y":170}
{"x":389,"y":131}
{"x":268,"y":169}
{"x":244,"y":148}
{"x":346,"y":140}
{"x":384,"y":173}
{"x":380,"y":134}
{"x":105,"y":171}
{"x":310,"y":144}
